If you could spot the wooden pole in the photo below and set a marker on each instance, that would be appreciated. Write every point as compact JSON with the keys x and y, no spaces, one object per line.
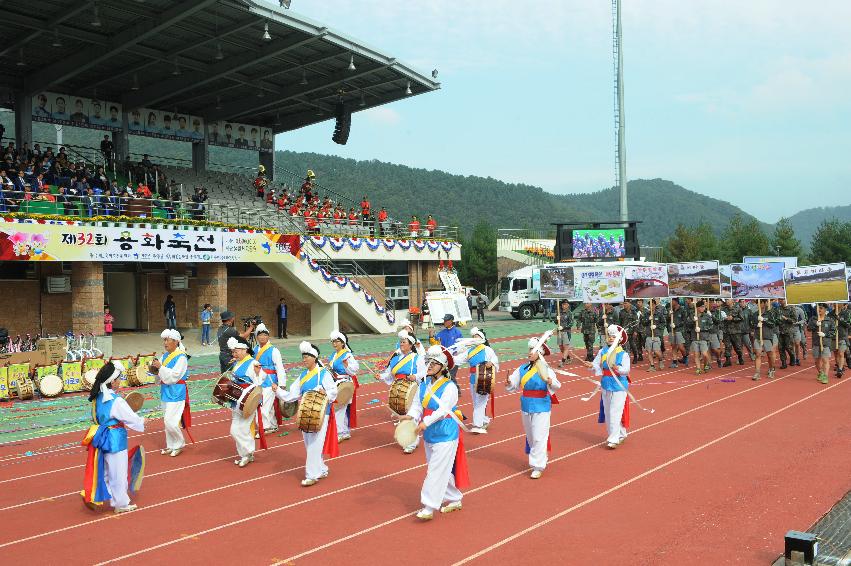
{"x":652,"y":332}
{"x":820,"y":339}
{"x":759,"y":310}
{"x":836,"y":333}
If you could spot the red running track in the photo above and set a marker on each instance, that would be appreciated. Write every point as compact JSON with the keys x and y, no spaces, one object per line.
{"x":716,"y":475}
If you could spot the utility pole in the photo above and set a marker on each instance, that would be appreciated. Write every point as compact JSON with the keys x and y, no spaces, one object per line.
{"x":620,"y":154}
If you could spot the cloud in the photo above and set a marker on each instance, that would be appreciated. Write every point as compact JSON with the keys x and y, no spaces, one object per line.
{"x":383,"y":115}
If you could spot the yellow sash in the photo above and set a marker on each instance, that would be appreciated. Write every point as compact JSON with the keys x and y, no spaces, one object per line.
{"x":475,"y":351}
{"x":170,"y":357}
{"x":606,"y":355}
{"x":337,"y":355}
{"x":308,"y":377}
{"x":247,"y":358}
{"x":432,"y":390}
{"x":530,"y":373}
{"x":402,"y":363}
{"x":262,"y":351}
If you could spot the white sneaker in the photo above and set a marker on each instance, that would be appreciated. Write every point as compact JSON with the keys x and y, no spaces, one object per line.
{"x":270,"y":430}
{"x":343,"y":437}
{"x":324,"y":475}
{"x":243,"y":461}
{"x":127,"y":509}
{"x":450,"y":507}
{"x":478,"y":430}
{"x":306,"y":482}
{"x":487,"y":424}
{"x":165,"y":451}
{"x":611,"y":445}
{"x":408,"y":450}
{"x":176,"y":452}
{"x":425,"y":515}
{"x":536,"y":474}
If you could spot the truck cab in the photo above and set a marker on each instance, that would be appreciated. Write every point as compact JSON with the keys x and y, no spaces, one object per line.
{"x":520,"y":293}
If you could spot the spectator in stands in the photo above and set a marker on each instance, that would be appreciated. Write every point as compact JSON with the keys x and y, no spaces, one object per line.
{"x":28,"y":192}
{"x":146,"y":161}
{"x":8,"y":200}
{"x":38,"y":183}
{"x":108,"y":150}
{"x":44,"y":194}
{"x":143,"y":191}
{"x":67,"y":202}
{"x":364,"y":208}
{"x":414,"y":226}
{"x":91,"y":203}
{"x":431,"y":226}
{"x":109,"y":203}
{"x":199,"y":208}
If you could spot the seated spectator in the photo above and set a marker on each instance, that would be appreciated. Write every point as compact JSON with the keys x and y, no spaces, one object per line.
{"x":44,"y":194}
{"x":28,"y":193}
{"x":294,"y":209}
{"x":431,"y":225}
{"x":142,"y":191}
{"x":199,"y":209}
{"x":339,"y":213}
{"x":9,"y":201}
{"x":414,"y":226}
{"x":67,"y":202}
{"x":270,"y":196}
{"x":91,"y":203}
{"x":109,"y":203}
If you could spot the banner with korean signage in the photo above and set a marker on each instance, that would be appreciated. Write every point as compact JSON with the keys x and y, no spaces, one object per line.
{"x":60,"y":241}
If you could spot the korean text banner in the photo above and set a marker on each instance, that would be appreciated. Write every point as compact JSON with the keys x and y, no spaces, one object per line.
{"x":788,"y":261}
{"x":645,"y":281}
{"x":63,"y":242}
{"x":816,"y":283}
{"x":557,"y":283}
{"x":694,"y":279}
{"x":757,"y":280}
{"x":603,"y":285}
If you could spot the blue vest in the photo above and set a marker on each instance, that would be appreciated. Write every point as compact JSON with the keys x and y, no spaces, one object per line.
{"x":445,"y":429}
{"x":608,"y":382}
{"x":109,"y":439}
{"x":474,"y":360}
{"x":265,"y":359}
{"x":410,"y":368}
{"x":313,"y":383}
{"x":176,"y":392}
{"x":534,"y":404}
{"x":240,"y":371}
{"x":338,"y":366}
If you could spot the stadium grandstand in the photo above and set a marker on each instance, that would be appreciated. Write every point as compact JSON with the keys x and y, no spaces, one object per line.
{"x":163,"y":115}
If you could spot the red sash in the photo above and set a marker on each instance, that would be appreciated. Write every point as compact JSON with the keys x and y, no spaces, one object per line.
{"x":186,"y":417}
{"x":331,"y":448}
{"x":401,"y":376}
{"x":353,"y":408}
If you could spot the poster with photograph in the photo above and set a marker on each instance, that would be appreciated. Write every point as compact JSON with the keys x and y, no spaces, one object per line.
{"x":757,"y":280}
{"x":694,"y":279}
{"x":645,"y":281}
{"x":598,"y":285}
{"x":441,"y":303}
{"x":77,"y":111}
{"x":726,"y":285}
{"x":816,"y":283}
{"x":787,"y":261}
{"x":848,"y":279}
{"x":240,"y":136}
{"x":166,"y":125}
{"x":557,"y":283}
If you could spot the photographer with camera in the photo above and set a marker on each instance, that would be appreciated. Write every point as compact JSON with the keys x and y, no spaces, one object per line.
{"x":227,"y":331}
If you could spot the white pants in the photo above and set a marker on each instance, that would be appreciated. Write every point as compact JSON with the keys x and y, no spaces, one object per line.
{"x":171,"y":420}
{"x":413,"y":445}
{"x":342,"y":420}
{"x":439,"y":484}
{"x":116,"y":478}
{"x":613,"y":403}
{"x":268,"y":410}
{"x":480,"y":405}
{"x":537,"y":428}
{"x":240,"y":431}
{"x":314,"y":466}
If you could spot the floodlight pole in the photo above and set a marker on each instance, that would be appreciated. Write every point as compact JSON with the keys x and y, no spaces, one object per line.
{"x":620,"y":156}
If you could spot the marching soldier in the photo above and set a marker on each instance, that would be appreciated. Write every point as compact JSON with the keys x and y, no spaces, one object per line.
{"x":842,"y":321}
{"x":643,"y":313}
{"x":823,"y":331}
{"x":704,"y":330}
{"x":677,"y":336}
{"x":586,"y":322}
{"x":654,"y":332}
{"x":628,"y":319}
{"x":732,"y":326}
{"x":764,"y":329}
{"x":747,"y":326}
{"x":787,"y":318}
{"x":716,"y":339}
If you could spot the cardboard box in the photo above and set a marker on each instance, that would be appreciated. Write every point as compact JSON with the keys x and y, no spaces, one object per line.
{"x":33,"y":358}
{"x":53,"y":349}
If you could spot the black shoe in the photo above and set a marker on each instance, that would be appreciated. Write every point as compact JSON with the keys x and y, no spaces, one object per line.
{"x":782,"y":365}
{"x":727,"y":363}
{"x":741,"y":361}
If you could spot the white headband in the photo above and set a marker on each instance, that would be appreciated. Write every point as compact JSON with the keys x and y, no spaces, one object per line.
{"x":261,"y":328}
{"x":403,"y":335}
{"x":235,"y":344}
{"x":309,"y":349}
{"x":170,"y":333}
{"x":475,"y":331}
{"x":436,"y":354}
{"x":337,"y":335}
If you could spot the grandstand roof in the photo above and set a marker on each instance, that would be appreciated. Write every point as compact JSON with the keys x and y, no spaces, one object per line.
{"x":201,"y":57}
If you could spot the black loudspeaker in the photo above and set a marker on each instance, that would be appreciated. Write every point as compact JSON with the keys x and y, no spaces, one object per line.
{"x":343,"y":124}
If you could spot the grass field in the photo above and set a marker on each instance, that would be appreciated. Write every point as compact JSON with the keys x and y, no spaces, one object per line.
{"x":820,"y":291}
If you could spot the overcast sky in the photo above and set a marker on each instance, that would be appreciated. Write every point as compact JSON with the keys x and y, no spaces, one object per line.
{"x":743,"y":101}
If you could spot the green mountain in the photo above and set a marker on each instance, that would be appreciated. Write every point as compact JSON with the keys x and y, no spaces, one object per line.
{"x":807,"y":221}
{"x":465,"y":200}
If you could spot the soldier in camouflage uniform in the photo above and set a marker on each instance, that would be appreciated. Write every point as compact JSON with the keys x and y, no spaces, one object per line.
{"x":747,"y":327}
{"x":628,"y":319}
{"x":654,"y":330}
{"x":765,"y":329}
{"x":642,"y":312}
{"x":704,"y":330}
{"x":786,"y":332}
{"x":565,"y":323}
{"x":586,"y":322}
{"x":716,"y":340}
{"x":842,"y":321}
{"x":678,"y":330}
{"x":823,"y":333}
{"x":732,"y":326}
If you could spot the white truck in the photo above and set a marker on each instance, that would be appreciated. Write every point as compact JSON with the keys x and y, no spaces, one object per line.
{"x":520,"y":290}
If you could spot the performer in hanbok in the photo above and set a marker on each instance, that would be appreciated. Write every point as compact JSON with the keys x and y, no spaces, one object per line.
{"x":478,"y":354}
{"x":344,"y":367}
{"x":537,"y":384}
{"x":106,"y":475}
{"x":324,"y":442}
{"x":246,"y":371}
{"x":406,"y":363}
{"x":612,"y":364}
{"x":272,"y":362}
{"x":436,"y":412}
{"x":171,"y":370}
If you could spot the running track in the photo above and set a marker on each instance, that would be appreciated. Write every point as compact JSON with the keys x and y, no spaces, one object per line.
{"x":715,"y":476}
